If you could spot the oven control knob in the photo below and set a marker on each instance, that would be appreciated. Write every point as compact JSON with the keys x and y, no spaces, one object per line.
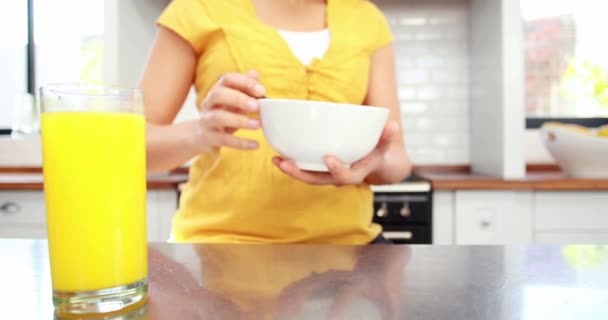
{"x":405,"y":210}
{"x":383,"y":211}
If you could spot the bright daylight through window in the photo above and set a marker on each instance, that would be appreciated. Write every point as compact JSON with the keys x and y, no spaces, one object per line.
{"x":69,"y":46}
{"x":566,"y":58}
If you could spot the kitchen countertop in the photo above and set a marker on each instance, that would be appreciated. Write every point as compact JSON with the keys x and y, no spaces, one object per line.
{"x":545,"y":178}
{"x":304,"y":281}
{"x":534,"y":180}
{"x":34,"y":181}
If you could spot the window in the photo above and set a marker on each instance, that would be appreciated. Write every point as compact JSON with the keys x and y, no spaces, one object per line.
{"x":68,"y":47}
{"x":13,"y":62}
{"x":566,"y":61}
{"x":69,"y":41}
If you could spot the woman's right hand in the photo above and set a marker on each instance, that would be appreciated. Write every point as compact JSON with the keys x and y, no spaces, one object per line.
{"x":225,"y":110}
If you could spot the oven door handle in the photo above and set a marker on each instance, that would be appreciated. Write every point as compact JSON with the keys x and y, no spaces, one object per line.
{"x":398,"y":235}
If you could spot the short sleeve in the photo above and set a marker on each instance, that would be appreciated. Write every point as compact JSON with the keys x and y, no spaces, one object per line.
{"x":187,"y":18}
{"x":384,"y":35}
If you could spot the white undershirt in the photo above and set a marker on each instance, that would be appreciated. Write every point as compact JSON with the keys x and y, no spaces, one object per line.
{"x":307,"y":46}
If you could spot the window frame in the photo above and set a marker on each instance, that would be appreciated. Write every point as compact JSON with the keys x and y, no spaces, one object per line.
{"x":30,"y":58}
{"x":537,"y":122}
{"x":31,"y":49}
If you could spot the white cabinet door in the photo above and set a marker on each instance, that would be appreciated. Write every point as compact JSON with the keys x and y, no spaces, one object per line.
{"x":571,"y":237}
{"x":161,"y":205}
{"x":569,"y":217}
{"x":443,"y":217}
{"x":22,"y":214}
{"x":152,"y":214}
{"x":570,"y":211}
{"x":493,"y":217}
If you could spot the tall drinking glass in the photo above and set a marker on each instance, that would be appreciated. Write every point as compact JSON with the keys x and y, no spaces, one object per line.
{"x":93,"y":143}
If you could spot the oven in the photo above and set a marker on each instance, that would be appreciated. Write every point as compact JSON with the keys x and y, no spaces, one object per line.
{"x":404,"y":211}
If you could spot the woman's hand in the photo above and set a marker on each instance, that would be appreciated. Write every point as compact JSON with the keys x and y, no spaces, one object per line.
{"x":225,"y":110}
{"x":338,"y":174}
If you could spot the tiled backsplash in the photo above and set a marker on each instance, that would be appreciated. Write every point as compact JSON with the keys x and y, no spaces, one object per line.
{"x":432,"y":48}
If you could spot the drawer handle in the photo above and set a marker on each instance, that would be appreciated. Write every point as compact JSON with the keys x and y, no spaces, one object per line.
{"x":9,"y":208}
{"x":485,"y":223}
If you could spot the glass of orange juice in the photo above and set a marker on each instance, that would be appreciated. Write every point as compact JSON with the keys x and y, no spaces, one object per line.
{"x":94,"y":163}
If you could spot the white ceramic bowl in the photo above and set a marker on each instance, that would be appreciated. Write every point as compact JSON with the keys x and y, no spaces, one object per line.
{"x":579,"y":154}
{"x":307,"y":131}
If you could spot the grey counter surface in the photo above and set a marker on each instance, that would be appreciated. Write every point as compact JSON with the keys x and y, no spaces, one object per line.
{"x":214,"y":281}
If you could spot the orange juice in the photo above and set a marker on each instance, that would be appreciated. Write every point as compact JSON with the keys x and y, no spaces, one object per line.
{"x":95,"y":189}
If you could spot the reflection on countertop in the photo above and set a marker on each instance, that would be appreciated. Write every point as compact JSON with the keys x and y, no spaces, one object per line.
{"x":217,"y":281}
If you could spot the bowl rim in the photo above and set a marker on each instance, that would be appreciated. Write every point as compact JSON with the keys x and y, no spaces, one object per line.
{"x":299,"y":102}
{"x":564,"y":130}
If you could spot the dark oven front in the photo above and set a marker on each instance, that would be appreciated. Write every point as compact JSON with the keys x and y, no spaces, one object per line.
{"x":406,"y":217}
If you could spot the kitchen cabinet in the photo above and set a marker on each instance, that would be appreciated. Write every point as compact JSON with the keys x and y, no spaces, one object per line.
{"x":493,"y":217}
{"x":22,"y":214}
{"x":443,"y":217}
{"x":571,"y":217}
{"x":515,"y":217}
{"x":162,"y":204}
{"x":563,"y":211}
{"x":570,"y":237}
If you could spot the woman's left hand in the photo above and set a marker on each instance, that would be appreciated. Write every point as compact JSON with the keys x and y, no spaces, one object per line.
{"x":338,"y":174}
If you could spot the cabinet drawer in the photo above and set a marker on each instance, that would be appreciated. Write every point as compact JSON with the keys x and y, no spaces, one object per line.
{"x":571,"y":211}
{"x":22,"y":207}
{"x":571,"y":237}
{"x":23,"y":231}
{"x":493,"y":217}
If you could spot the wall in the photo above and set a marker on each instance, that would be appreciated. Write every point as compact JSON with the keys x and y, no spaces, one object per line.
{"x":432,"y":51}
{"x":129,"y":31}
{"x":22,"y":152}
{"x":432,"y":47}
{"x":13,"y":68}
{"x":497,"y":91}
{"x":432,"y":40}
{"x":129,"y":34}
{"x":13,"y":82}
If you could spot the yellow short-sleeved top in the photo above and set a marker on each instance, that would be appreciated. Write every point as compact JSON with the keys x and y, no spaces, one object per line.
{"x":240,"y":196}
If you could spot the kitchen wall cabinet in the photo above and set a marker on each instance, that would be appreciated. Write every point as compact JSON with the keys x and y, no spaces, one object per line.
{"x":22,"y":214}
